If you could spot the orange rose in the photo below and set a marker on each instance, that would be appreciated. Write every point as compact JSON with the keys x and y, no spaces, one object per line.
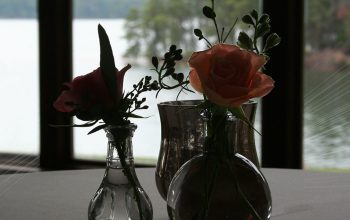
{"x":88,"y":96}
{"x":228,"y":75}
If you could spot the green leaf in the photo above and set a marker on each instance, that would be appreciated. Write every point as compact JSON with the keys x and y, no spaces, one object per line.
{"x":155,"y":62}
{"x":244,"y":41}
{"x":247,"y":19}
{"x":198,"y":33}
{"x":169,"y":71}
{"x":131,"y":115}
{"x":107,"y":62}
{"x":87,"y":124}
{"x":265,"y":18}
{"x":254,"y":14}
{"x":180,"y":77}
{"x":239,"y":113}
{"x":97,"y":128}
{"x":262,"y":30}
{"x":272,"y":41}
{"x":172,"y":48}
{"x":209,"y":12}
{"x":178,"y":57}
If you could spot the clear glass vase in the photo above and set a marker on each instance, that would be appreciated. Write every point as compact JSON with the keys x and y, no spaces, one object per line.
{"x":120,"y":195}
{"x":182,"y":137}
{"x":220,"y":183}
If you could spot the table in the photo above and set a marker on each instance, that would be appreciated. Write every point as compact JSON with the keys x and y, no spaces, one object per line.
{"x":65,"y":195}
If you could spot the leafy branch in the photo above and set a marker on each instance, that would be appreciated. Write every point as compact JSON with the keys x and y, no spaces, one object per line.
{"x":132,"y":100}
{"x":165,"y":69}
{"x":261,"y":27}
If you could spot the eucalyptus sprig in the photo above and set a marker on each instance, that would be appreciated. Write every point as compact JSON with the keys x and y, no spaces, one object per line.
{"x":165,"y":69}
{"x":261,"y":27}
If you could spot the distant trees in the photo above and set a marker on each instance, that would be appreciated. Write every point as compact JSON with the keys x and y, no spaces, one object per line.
{"x":327,"y":36}
{"x":152,"y":29}
{"x":327,"y":24}
{"x":18,"y":9}
{"x":105,"y":8}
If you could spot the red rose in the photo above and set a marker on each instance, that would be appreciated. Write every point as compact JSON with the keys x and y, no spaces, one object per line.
{"x":88,"y":96}
{"x":228,"y":75}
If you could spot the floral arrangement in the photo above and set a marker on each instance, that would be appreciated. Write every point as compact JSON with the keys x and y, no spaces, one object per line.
{"x":99,"y":95}
{"x":227,"y":75}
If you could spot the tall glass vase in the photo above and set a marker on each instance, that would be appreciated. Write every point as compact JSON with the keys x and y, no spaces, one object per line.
{"x":182,"y":137}
{"x":120,"y":195}
{"x":220,"y":183}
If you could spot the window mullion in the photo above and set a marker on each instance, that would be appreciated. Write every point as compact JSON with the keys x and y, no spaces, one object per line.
{"x":282,"y":110}
{"x":55,"y":58}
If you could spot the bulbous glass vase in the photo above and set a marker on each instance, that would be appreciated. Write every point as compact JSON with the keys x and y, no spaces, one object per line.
{"x":183,"y":133}
{"x":120,"y":195}
{"x":220,"y":183}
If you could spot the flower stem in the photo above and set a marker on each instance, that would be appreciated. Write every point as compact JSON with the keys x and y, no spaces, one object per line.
{"x":217,"y":138}
{"x":217,"y":30}
{"x":127,"y":173}
{"x":250,"y":206}
{"x":255,"y":40}
{"x":229,"y":32}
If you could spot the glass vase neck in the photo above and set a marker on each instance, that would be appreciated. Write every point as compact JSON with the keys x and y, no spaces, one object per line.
{"x":221,"y":135}
{"x":120,"y":145}
{"x":227,"y":135}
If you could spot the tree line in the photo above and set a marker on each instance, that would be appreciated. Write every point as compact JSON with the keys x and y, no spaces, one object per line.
{"x":151,"y":29}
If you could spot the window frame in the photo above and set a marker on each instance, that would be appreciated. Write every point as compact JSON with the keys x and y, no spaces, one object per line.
{"x":282,"y":111}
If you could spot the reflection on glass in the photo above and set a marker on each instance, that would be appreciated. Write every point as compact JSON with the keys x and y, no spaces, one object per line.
{"x":327,"y":78}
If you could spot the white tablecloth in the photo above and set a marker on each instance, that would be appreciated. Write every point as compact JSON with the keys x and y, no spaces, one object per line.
{"x":65,"y":195}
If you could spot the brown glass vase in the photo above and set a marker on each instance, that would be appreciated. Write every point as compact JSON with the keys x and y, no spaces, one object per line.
{"x":220,"y":183}
{"x":182,"y":137}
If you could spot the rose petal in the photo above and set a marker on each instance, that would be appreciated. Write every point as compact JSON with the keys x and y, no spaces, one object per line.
{"x":61,"y":103}
{"x":229,"y":91}
{"x":201,"y":61}
{"x":262,"y":85}
{"x":195,"y":81}
{"x":256,"y":63}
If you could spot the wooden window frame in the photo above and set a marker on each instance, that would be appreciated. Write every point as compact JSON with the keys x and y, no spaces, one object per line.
{"x":282,"y":109}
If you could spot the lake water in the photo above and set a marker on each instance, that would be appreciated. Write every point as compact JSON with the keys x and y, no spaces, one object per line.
{"x":19,"y":95}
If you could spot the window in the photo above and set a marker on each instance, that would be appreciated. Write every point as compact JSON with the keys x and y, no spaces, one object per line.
{"x":19,"y":87}
{"x":327,"y":78}
{"x":281,"y":117}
